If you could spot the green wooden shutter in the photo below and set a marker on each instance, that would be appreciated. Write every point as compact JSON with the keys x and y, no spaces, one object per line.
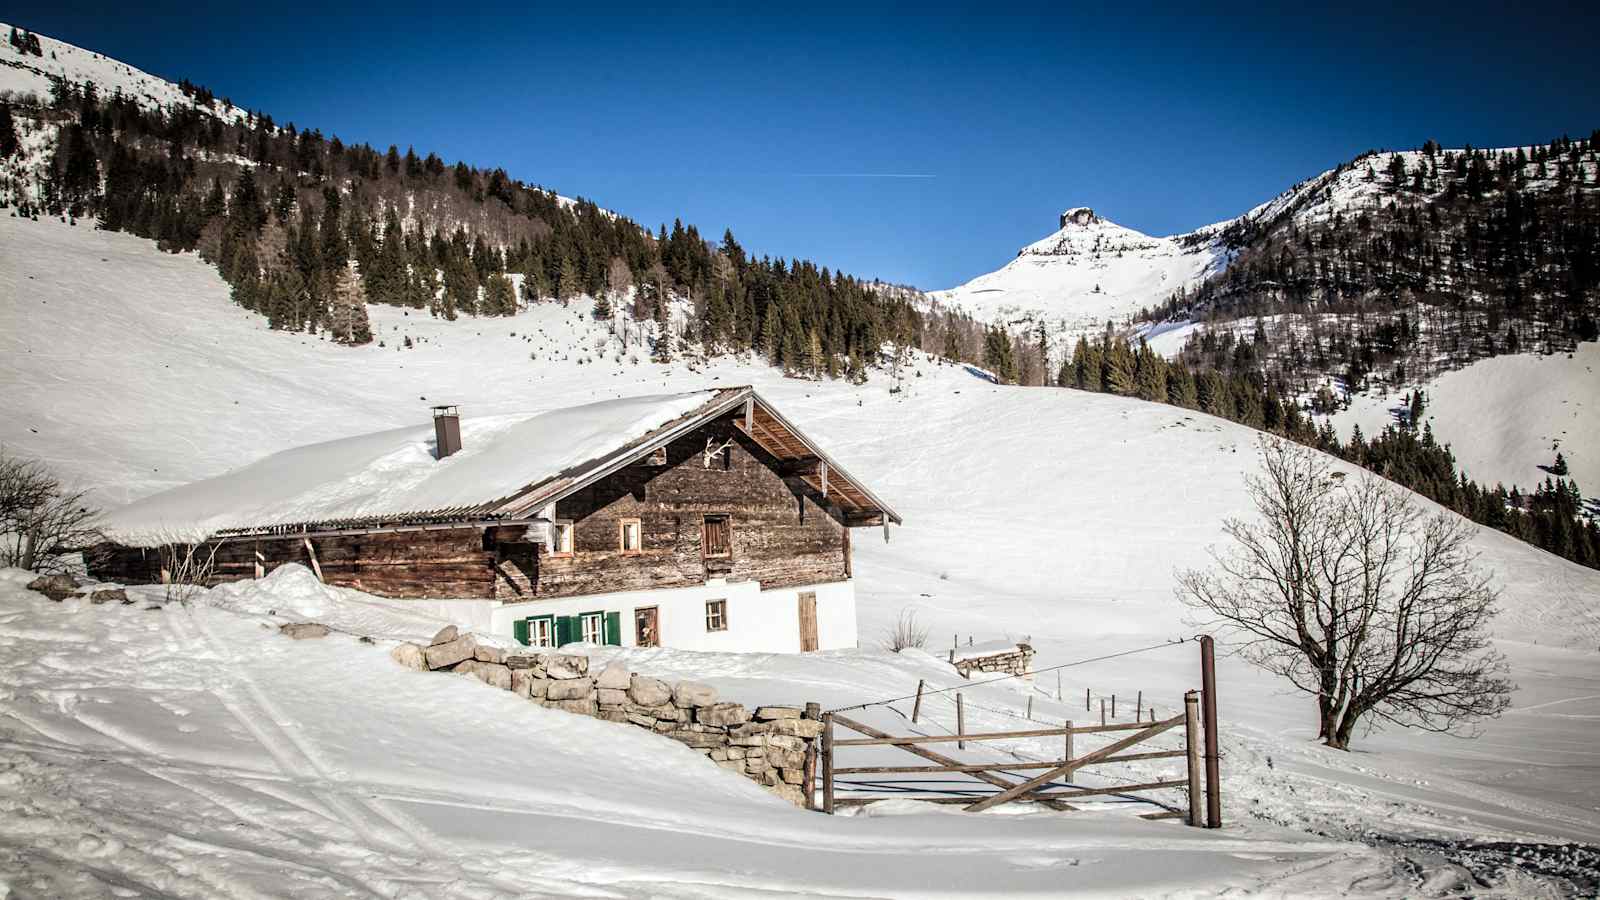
{"x":614,"y":629}
{"x":566,"y":629}
{"x":520,"y":629}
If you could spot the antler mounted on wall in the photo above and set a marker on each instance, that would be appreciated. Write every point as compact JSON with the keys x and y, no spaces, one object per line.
{"x":712,"y":452}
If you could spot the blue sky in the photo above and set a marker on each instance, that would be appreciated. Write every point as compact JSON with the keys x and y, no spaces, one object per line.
{"x":785,"y":125}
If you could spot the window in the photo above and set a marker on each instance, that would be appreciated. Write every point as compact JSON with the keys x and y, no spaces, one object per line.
{"x":561,"y":535}
{"x":629,"y":537}
{"x":717,"y":537}
{"x":716,"y":615}
{"x":593,"y":627}
{"x":539,"y":631}
{"x":645,"y":627}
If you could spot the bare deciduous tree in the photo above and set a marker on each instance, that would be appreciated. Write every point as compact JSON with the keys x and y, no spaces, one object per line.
{"x":1348,"y":589}
{"x":42,"y":523}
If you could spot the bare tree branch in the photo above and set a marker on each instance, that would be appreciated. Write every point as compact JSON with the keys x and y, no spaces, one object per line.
{"x":1345,"y":588}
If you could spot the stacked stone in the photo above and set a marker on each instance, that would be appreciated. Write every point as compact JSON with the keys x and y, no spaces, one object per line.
{"x":1011,"y":662}
{"x":769,"y":746}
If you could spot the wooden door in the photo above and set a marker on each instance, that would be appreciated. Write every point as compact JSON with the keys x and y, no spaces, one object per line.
{"x":808,"y":621}
{"x":645,"y":633}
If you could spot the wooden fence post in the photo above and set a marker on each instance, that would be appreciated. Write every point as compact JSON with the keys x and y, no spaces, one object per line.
{"x":808,"y":786}
{"x":1113,"y":706}
{"x":916,"y":708}
{"x":1030,"y":707}
{"x":1102,"y":710}
{"x":1191,"y":732}
{"x":1208,"y":703}
{"x":1086,"y":706}
{"x":1138,"y":708}
{"x":961,"y":722}
{"x":1067,"y":775}
{"x":827,"y":763}
{"x":1058,"y":685}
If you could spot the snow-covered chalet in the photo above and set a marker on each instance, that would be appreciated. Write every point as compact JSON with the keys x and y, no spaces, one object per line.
{"x":702,"y":520}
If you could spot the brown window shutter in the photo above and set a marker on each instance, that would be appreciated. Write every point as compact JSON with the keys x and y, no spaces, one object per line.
{"x":717,"y":536}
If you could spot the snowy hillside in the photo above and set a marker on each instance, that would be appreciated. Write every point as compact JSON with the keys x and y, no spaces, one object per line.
{"x":23,"y":74}
{"x":1507,"y":416}
{"x":1089,"y":271}
{"x":202,"y":754}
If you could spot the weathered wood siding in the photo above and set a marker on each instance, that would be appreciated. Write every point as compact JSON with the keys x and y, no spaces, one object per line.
{"x":783,"y":533}
{"x":433,"y":564}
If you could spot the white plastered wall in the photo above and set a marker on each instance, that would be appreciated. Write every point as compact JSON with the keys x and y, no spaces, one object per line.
{"x":758,"y":621}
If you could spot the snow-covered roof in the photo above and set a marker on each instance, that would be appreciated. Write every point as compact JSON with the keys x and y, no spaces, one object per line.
{"x":509,"y":467}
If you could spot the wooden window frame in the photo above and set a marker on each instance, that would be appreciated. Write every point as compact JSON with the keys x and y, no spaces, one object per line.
{"x":721,"y":606}
{"x":583,"y":619}
{"x":637,"y":637}
{"x":622,"y":536}
{"x":555,"y":538}
{"x":705,"y":532}
{"x":550,"y":623}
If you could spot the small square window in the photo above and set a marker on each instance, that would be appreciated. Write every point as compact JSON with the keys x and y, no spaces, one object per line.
{"x":716,"y":615}
{"x":630,"y":535}
{"x":594,"y":627}
{"x":541,"y":632}
{"x":561,"y":537}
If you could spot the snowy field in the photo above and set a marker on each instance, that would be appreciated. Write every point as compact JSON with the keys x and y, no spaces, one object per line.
{"x":1505,"y":417}
{"x":193,"y":752}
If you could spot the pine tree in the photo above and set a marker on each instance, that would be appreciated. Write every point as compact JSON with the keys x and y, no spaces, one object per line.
{"x":1150,"y":376}
{"x":814,"y":364}
{"x":8,"y":132}
{"x":499,"y":297}
{"x":1117,"y":368}
{"x":1560,"y":467}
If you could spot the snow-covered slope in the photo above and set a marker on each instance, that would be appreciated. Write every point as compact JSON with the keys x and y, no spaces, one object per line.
{"x":1089,"y":271}
{"x":25,"y":73}
{"x":1506,"y":417}
{"x":1052,"y":515}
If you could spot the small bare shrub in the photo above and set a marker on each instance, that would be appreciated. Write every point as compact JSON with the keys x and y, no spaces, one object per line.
{"x":906,"y":633}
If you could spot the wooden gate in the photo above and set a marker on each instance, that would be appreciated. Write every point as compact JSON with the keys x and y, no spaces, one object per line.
{"x":1042,"y":788}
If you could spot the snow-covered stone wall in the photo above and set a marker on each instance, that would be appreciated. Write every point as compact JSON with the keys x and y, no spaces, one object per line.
{"x":1013,"y":659}
{"x":774,"y":746}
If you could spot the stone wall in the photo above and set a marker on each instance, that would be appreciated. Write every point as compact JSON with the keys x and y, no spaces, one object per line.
{"x":1017,"y":661}
{"x":773,"y":746}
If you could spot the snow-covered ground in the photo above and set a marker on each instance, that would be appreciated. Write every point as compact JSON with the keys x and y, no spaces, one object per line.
{"x":1506,"y":417}
{"x":193,"y":752}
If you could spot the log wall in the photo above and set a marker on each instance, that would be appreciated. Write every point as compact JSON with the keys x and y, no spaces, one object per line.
{"x":784,"y":534}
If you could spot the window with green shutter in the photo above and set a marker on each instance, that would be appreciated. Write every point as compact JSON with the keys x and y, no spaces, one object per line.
{"x":614,"y":629}
{"x":519,"y":628}
{"x":566,"y":630}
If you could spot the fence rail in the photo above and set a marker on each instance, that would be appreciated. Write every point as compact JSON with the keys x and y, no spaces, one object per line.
{"x":1042,"y":788}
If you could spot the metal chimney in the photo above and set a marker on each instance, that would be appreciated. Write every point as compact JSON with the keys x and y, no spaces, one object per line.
{"x":446,"y":430}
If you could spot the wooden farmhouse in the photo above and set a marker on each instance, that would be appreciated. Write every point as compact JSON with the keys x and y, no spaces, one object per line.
{"x":703,"y":520}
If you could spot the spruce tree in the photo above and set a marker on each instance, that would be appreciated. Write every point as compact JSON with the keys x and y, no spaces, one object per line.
{"x":499,"y":297}
{"x":8,"y":132}
{"x":1117,"y":368}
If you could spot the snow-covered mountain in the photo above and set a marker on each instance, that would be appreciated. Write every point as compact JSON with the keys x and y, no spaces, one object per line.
{"x":23,"y":74}
{"x":1088,"y":271}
